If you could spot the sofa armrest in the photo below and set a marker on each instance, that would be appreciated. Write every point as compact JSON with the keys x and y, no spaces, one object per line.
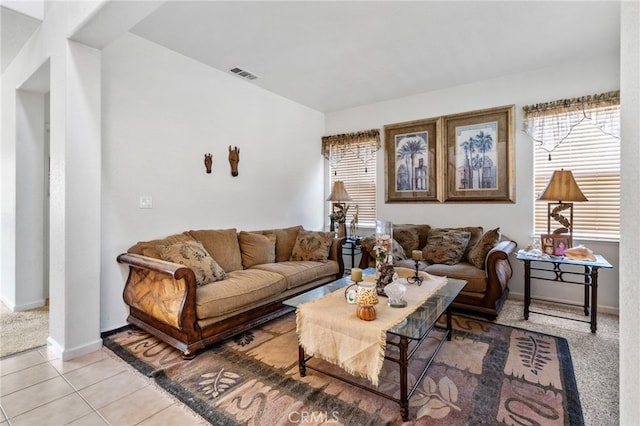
{"x":498,"y":268}
{"x":335,"y":253}
{"x":162,"y":290}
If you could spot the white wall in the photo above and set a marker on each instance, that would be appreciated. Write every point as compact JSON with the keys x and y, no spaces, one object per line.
{"x":515,"y":220}
{"x":75,"y":191}
{"x":161,"y":113}
{"x":630,"y":239}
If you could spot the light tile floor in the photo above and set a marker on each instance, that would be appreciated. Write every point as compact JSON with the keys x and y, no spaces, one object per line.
{"x":36,"y":388}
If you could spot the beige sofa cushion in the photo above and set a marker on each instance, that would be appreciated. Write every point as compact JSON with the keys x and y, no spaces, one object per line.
{"x":222,"y":245}
{"x":240,"y":289}
{"x":193,"y":255}
{"x":301,"y":272}
{"x":476,"y":278}
{"x":312,"y":245}
{"x":285,"y":240}
{"x":445,"y":246}
{"x":478,"y":253}
{"x":150,"y":248}
{"x":257,"y":248}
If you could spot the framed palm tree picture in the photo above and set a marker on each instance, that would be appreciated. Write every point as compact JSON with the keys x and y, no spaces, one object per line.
{"x":412,"y":161}
{"x":479,"y":155}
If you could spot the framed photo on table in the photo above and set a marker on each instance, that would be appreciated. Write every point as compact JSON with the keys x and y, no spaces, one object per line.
{"x":555,"y":244}
{"x":412,"y":161}
{"x":480,"y":155}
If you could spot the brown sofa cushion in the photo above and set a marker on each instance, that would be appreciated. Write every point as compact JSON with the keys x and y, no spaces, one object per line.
{"x":193,"y":255}
{"x":476,"y":278}
{"x":222,"y":245}
{"x":476,"y":234}
{"x":257,"y":248}
{"x":149,"y":248}
{"x":478,"y":253}
{"x":312,"y":245}
{"x":407,"y":236}
{"x":423,"y":233}
{"x":285,"y":240}
{"x":445,"y":246}
{"x":369,"y":242}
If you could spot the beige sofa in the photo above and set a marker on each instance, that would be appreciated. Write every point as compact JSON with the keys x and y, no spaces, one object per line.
{"x":199,"y":287}
{"x":482,"y":260}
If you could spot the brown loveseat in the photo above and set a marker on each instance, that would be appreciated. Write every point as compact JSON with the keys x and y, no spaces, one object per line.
{"x":199,"y":287}
{"x":482,"y":260}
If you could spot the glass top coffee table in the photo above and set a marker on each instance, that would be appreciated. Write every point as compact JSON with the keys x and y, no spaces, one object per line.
{"x":407,"y":336}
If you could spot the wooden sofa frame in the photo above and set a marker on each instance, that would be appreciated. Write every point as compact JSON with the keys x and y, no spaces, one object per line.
{"x":177,"y":282}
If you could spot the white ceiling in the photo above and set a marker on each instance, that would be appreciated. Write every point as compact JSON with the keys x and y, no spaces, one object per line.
{"x":331,"y":55}
{"x":16,"y":28}
{"x":334,"y":55}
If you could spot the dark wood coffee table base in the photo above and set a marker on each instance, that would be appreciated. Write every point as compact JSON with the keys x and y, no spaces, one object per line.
{"x":404,"y":356}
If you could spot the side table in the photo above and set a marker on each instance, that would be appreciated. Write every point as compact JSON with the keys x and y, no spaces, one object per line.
{"x":553,"y":268}
{"x":352,"y":247}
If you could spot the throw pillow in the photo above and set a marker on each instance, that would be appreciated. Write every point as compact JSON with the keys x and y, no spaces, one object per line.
{"x":312,"y":245}
{"x":368,"y":244}
{"x":257,"y":249}
{"x":445,"y":246}
{"x":407,"y":237}
{"x":479,"y":252}
{"x":150,"y":248}
{"x":193,"y":255}
{"x":285,"y":240}
{"x":222,"y":245}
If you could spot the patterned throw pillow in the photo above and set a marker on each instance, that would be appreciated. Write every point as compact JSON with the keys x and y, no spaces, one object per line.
{"x":312,"y":245}
{"x":479,"y":252}
{"x":445,"y":246}
{"x":193,"y":255}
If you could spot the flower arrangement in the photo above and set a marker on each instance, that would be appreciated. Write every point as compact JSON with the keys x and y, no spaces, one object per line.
{"x":339,"y":215}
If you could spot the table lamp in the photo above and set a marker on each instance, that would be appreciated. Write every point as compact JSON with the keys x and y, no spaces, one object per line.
{"x":562,"y":188}
{"x":338,"y":195}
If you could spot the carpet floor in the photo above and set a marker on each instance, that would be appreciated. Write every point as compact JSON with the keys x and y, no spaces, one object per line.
{"x":24,"y":330}
{"x":488,"y":374}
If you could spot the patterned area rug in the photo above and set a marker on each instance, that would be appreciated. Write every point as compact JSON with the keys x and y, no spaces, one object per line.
{"x":487,"y":374}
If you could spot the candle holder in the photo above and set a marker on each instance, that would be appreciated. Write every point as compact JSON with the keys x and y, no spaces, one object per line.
{"x":416,"y":279}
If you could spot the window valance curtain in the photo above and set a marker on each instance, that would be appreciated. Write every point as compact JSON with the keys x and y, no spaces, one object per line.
{"x":363,"y":144}
{"x":550,"y":123}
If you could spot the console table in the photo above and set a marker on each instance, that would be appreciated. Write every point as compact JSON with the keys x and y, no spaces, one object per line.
{"x":555,"y":268}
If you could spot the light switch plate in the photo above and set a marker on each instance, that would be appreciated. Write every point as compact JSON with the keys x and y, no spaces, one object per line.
{"x":146,"y":202}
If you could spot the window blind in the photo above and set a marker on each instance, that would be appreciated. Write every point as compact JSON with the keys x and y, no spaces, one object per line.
{"x":593,"y":157}
{"x":360,"y":185}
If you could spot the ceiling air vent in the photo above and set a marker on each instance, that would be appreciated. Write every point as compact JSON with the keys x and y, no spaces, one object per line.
{"x":243,"y":73}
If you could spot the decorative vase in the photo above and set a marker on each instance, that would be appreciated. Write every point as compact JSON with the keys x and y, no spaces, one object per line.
{"x":367,"y":313}
{"x":384,"y":255}
{"x":395,"y":294}
{"x":342,"y":230}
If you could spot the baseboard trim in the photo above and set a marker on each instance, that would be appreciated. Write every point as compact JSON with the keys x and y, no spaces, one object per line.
{"x":68,"y":354}
{"x":24,"y":306}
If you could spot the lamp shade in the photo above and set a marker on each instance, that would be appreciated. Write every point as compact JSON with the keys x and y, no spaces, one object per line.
{"x":339,"y":193}
{"x":562,"y":187}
